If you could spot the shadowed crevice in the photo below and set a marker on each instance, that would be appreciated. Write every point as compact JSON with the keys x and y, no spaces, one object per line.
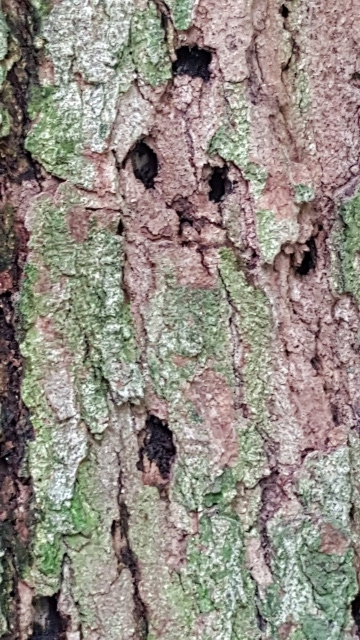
{"x":308,"y":262}
{"x":157,"y":446}
{"x":16,"y":167}
{"x":127,"y":558}
{"x":193,"y":62}
{"x":48,"y":623}
{"x":219,"y":184}
{"x":355,"y":611}
{"x":145,"y":164}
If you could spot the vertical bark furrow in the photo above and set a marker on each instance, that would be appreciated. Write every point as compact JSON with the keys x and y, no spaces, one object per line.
{"x":18,"y":70}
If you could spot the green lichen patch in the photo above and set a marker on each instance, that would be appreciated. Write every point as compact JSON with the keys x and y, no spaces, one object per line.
{"x":56,"y":138}
{"x":252,"y":465}
{"x":86,"y":301}
{"x":272,"y":233}
{"x":217,"y":581}
{"x":181,"y":11}
{"x":302,"y":88}
{"x":80,"y":358}
{"x":106,"y":45}
{"x":189,"y":337}
{"x":3,"y":36}
{"x":102,"y":589}
{"x":175,"y":610}
{"x":5,"y":122}
{"x":93,"y":565}
{"x":85,"y":518}
{"x":148,"y":47}
{"x":348,"y":243}
{"x":311,"y":589}
{"x":324,"y":487}
{"x":42,"y":7}
{"x":88,"y":38}
{"x":187,"y":328}
{"x":254,"y":325}
{"x":255,"y":330}
{"x":198,"y":483}
{"x":354,"y":450}
{"x":304,"y":193}
{"x":188,"y":333}
{"x":231,"y":140}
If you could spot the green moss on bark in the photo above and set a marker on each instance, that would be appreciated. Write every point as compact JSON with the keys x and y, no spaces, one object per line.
{"x":148,"y":48}
{"x":348,"y":243}
{"x":231,"y":140}
{"x":108,"y":46}
{"x":273,"y":233}
{"x":218,"y":581}
{"x":325,"y":487}
{"x":56,"y":138}
{"x":312,"y":589}
{"x":181,"y":11}
{"x":255,"y":326}
{"x":80,"y":359}
{"x":191,"y":324}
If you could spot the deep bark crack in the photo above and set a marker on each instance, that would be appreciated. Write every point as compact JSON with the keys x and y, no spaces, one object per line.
{"x":127,"y":558}
{"x":16,"y":166}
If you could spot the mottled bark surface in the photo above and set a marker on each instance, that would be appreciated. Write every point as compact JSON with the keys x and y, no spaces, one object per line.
{"x":180,"y":336}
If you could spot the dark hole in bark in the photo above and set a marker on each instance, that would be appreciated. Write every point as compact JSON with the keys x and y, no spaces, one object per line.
{"x":284,"y":11}
{"x":309,"y":260}
{"x":355,"y":79}
{"x":316,"y":363}
{"x":335,"y":414}
{"x":145,"y":164}
{"x":185,"y":212}
{"x":219,"y":184}
{"x":158,"y":446}
{"x":306,"y":452}
{"x":184,"y":220}
{"x":192,"y":61}
{"x":48,"y":623}
{"x":120,"y":228}
{"x":29,"y":174}
{"x":355,"y":610}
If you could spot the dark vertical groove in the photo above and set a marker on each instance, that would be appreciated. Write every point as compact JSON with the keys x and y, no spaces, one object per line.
{"x":15,"y":428}
{"x":127,"y":558}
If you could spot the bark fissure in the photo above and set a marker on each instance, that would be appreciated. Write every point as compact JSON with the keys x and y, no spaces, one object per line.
{"x":127,"y":558}
{"x":16,"y":167}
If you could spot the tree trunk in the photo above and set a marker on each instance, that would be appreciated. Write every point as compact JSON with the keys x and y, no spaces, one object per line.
{"x":180,"y":335}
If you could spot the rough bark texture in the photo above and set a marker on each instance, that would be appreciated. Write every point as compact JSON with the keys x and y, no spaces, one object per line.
{"x":180,"y":337}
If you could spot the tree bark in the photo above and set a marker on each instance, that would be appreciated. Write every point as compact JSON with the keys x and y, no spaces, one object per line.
{"x":180,"y":289}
